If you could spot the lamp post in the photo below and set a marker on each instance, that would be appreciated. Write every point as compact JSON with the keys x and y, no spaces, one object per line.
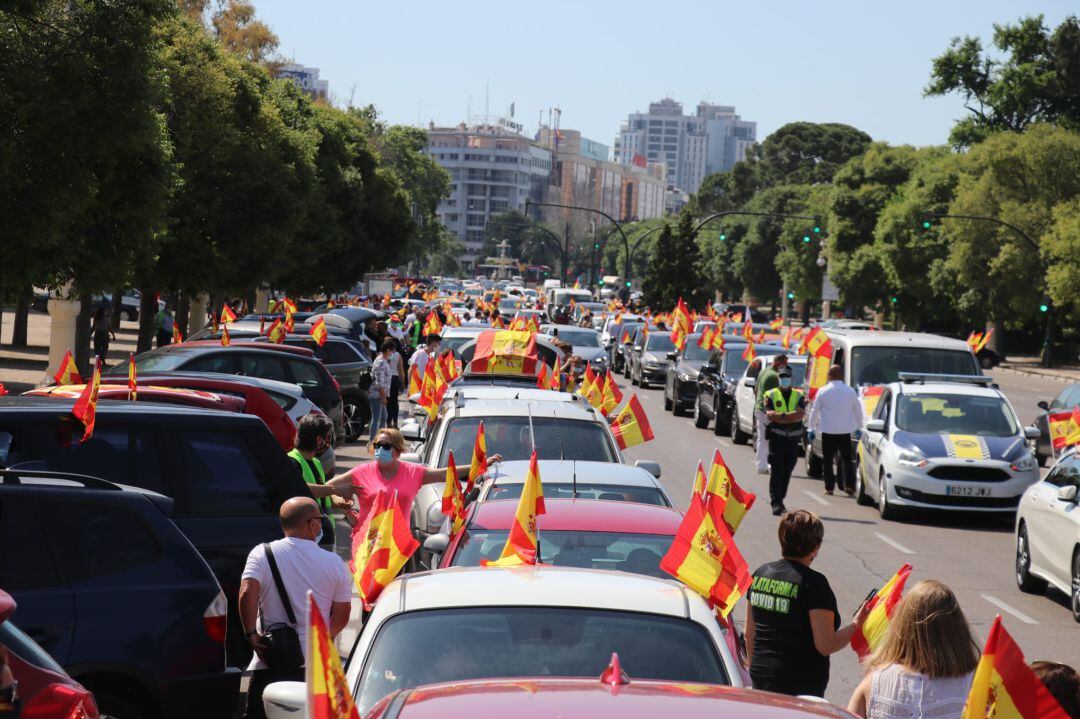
{"x":612,"y":220}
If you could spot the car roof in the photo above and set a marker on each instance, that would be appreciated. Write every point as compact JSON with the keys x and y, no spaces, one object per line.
{"x":524,"y":408}
{"x":590,"y":515}
{"x":470,"y":392}
{"x":264,"y":346}
{"x":957,"y":388}
{"x":562,"y":471}
{"x":272,"y":385}
{"x":898,"y":339}
{"x":537,"y":586}
{"x":468,"y":330}
{"x":115,"y":407}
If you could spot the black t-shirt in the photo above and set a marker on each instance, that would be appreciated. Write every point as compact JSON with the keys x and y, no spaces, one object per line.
{"x":781,"y":597}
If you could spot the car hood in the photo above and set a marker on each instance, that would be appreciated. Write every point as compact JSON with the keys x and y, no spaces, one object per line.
{"x":691,"y":368}
{"x":651,"y":357}
{"x":962,"y":446}
{"x":589,"y":353}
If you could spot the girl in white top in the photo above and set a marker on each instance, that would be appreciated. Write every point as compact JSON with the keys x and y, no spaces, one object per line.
{"x":924,"y":667}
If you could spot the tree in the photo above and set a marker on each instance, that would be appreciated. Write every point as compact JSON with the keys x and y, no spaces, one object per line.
{"x":755,"y":255}
{"x":727,"y":190}
{"x":804,"y":153}
{"x":675,"y":268}
{"x":1037,"y":80}
{"x":241,"y":33}
{"x":1062,"y":243}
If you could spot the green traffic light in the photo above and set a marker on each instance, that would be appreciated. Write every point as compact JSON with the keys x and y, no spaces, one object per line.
{"x":628,"y":283}
{"x":601,"y":282}
{"x":1044,"y":307}
{"x":596,"y":246}
{"x":893,"y":300}
{"x":791,"y":295}
{"x":817,"y":230}
{"x":806,"y":239}
{"x":926,"y":224}
{"x":722,"y":237}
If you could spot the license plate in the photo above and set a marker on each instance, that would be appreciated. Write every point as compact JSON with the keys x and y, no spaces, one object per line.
{"x":956,"y":491}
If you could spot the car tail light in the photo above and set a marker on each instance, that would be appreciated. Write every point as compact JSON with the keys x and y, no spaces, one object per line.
{"x":60,"y":701}
{"x":214,"y":618}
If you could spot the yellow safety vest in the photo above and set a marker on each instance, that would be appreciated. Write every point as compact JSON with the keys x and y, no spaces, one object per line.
{"x":782,"y":405}
{"x":309,"y":476}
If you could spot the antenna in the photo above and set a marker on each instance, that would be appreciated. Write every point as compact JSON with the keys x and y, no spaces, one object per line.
{"x":532,"y":434}
{"x":573,"y":480}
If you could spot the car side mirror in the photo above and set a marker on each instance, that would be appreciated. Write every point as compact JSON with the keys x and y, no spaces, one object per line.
{"x":437,"y":543}
{"x":285,"y":699}
{"x":875,"y":425}
{"x":637,"y":348}
{"x":1067,"y":494}
{"x":750,"y":382}
{"x":671,"y":355}
{"x":411,"y":431}
{"x":649,"y":466}
{"x":1032,"y":432}
{"x":1043,"y":405}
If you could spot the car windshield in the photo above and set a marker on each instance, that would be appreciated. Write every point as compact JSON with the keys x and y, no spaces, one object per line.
{"x":695,"y":353}
{"x":798,"y":373}
{"x":456,"y":343}
{"x":659,"y":343}
{"x":153,"y":362}
{"x":512,"y":437}
{"x":584,"y":490}
{"x":626,"y":331}
{"x":459,"y":644}
{"x":881,"y":365}
{"x":734,"y":364}
{"x":955,"y":414}
{"x":624,"y":551}
{"x":579,"y":338}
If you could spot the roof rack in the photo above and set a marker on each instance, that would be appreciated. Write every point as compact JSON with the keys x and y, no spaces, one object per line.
{"x":14,"y":475}
{"x":924,"y":377}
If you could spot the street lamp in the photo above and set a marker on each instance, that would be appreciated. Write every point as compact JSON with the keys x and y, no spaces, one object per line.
{"x":612,"y":220}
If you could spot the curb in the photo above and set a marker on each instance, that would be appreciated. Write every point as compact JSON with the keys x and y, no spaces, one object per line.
{"x":1034,"y":373}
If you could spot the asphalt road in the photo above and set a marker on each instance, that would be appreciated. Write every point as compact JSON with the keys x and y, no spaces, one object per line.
{"x":972,"y":554}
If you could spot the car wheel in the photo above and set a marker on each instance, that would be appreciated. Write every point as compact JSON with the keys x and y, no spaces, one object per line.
{"x":815,"y":465}
{"x":1024,"y":578}
{"x":668,"y":404}
{"x":886,"y":510}
{"x":718,"y":425}
{"x":353,"y":420}
{"x":626,"y":369}
{"x":112,"y":705}
{"x":700,"y":420}
{"x":676,"y":406}
{"x":860,"y":486}
{"x":1040,"y":458}
{"x":737,"y":435}
{"x":1076,"y":585}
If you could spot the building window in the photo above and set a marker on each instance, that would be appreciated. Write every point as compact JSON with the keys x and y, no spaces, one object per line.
{"x":474,"y":236}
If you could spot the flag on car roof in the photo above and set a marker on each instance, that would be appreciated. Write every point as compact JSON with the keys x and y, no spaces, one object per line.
{"x":631,"y":426}
{"x":85,"y":408}
{"x":505,"y":352}
{"x":587,"y":381}
{"x":177,"y":335}
{"x":748,"y":353}
{"x":1005,"y":687}
{"x":705,"y":339}
{"x":721,"y":483}
{"x":289,"y":323}
{"x":133,"y":386}
{"x":817,"y":370}
{"x":288,"y":306}
{"x":416,"y":382}
{"x":882,"y":606}
{"x":453,"y":500}
{"x":478,"y":465}
{"x":748,"y":330}
{"x":227,"y":315}
{"x":225,"y":339}
{"x":612,"y":395}
{"x":813,"y":341}
{"x":277,"y":332}
{"x":523,"y":543}
{"x":381,"y":548}
{"x":430,"y":394}
{"x":776,"y":324}
{"x":319,"y":331}
{"x":680,"y":324}
{"x":432,"y":325}
{"x":328,"y":692}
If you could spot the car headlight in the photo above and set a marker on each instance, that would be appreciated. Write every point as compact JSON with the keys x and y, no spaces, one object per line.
{"x":686,"y":378}
{"x":1025,"y":463}
{"x":911,"y":459}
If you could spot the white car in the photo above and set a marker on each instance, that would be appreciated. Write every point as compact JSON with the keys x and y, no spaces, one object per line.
{"x":1048,"y":533}
{"x":944,"y":442}
{"x":746,"y":391}
{"x":466,"y":623}
{"x":590,"y":480}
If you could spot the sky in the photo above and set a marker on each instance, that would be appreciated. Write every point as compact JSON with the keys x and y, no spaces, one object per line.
{"x":860,"y":62}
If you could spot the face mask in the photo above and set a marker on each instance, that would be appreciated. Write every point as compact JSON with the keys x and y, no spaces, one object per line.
{"x":319,"y":536}
{"x":383,"y":455}
{"x":785,"y":382}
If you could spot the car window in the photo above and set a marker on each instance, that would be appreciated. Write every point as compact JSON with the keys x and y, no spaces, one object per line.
{"x":585,"y":490}
{"x":881,"y":365}
{"x":93,"y":540}
{"x":458,"y":644}
{"x":734,"y":364}
{"x":1057,"y":474}
{"x":1071,"y":397}
{"x":338,"y":353}
{"x":223,"y":477}
{"x":693,"y":352}
{"x":264,"y":364}
{"x":624,"y":551}
{"x":223,"y":362}
{"x":25,"y":559}
{"x":579,"y":338}
{"x":1072,"y":473}
{"x":659,"y":342}
{"x":125,"y":455}
{"x":882,"y":410}
{"x":306,"y":374}
{"x":955,"y":414}
{"x":512,"y":437}
{"x":754,"y":369}
{"x":11,"y":449}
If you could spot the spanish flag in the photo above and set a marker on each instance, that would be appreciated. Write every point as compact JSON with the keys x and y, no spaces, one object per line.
{"x":1064,"y":429}
{"x":1004,"y":687}
{"x":505,"y":352}
{"x":416,"y":382}
{"x":587,"y":381}
{"x":612,"y":395}
{"x":290,"y":324}
{"x":817,"y":370}
{"x":721,"y":483}
{"x":328,"y":692}
{"x":680,"y":324}
{"x":453,"y":500}
{"x":133,"y":386}
{"x":479,"y":458}
{"x":277,"y":332}
{"x":748,"y":330}
{"x":85,"y":409}
{"x":433,"y":325}
{"x":814,"y":341}
{"x":542,"y":380}
{"x":718,"y":339}
{"x":177,"y":336}
{"x":523,"y":542}
{"x":288,"y":306}
{"x":381,"y":548}
{"x":319,"y":331}
{"x":225,"y":341}
{"x":631,"y":427}
{"x":748,"y":354}
{"x":705,"y":339}
{"x":594,"y":393}
{"x":776,"y":324}
{"x":227,"y":315}
{"x":882,"y":605}
{"x":430,"y":396}
{"x":703,"y":555}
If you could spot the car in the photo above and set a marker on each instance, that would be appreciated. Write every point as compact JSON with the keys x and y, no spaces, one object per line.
{"x":295,"y":365}
{"x":586,"y":345}
{"x":116,"y":594}
{"x":837,"y":324}
{"x":649,"y":359}
{"x":1048,"y":533}
{"x":589,"y":533}
{"x":560,"y":297}
{"x":546,"y":352}
{"x":454,"y":338}
{"x":941,"y":442}
{"x":1065,"y":401}
{"x":877,"y":358}
{"x":614,"y":324}
{"x":740,"y":311}
{"x":594,"y":308}
{"x":716,"y":383}
{"x":680,"y":381}
{"x":43,"y":687}
{"x":224,"y":471}
{"x":467,"y":623}
{"x":621,"y":347}
{"x":743,"y":422}
{"x":577,"y":478}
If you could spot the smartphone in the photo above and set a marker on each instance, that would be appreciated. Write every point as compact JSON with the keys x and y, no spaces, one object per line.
{"x":868,"y":597}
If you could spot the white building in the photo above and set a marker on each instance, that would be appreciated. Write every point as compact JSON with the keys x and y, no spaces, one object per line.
{"x":307,"y":78}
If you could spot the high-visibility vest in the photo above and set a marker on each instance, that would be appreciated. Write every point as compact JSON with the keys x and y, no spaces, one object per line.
{"x":310,"y":478}
{"x":782,"y":405}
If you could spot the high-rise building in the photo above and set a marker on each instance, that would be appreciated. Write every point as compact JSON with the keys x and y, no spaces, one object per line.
{"x":307,"y":78}
{"x":728,"y":136}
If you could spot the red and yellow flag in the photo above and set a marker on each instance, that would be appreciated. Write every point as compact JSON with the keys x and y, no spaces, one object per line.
{"x":505,"y":352}
{"x":381,"y":548}
{"x":416,"y":382}
{"x":813,"y":342}
{"x":703,"y":555}
{"x":290,"y":324}
{"x":288,"y":306}
{"x":523,"y":542}
{"x":225,"y":339}
{"x":177,"y":335}
{"x":319,"y":331}
{"x":542,"y":380}
{"x":1004,"y":687}
{"x":433,"y":325}
{"x":85,"y":409}
{"x":277,"y":332}
{"x":612,"y":395}
{"x":721,"y":483}
{"x":631,"y":426}
{"x":776,"y":324}
{"x":882,"y":605}
{"x":133,"y":386}
{"x":748,"y":354}
{"x":587,"y":380}
{"x":328,"y":692}
{"x":817,"y":370}
{"x":748,"y":330}
{"x":705,"y":339}
{"x":227,"y":315}
{"x":479,"y":458}
{"x":432,"y":390}
{"x":1064,"y":429}
{"x":453,"y":499}
{"x":680,"y":324}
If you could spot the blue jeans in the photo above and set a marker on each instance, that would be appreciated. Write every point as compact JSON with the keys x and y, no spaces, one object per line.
{"x":378,"y":414}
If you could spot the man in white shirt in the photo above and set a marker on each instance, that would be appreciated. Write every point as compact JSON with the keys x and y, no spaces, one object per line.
{"x":421,"y":356}
{"x":837,"y":412}
{"x":303,"y":566}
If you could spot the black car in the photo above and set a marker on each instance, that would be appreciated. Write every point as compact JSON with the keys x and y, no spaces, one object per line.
{"x":1066,"y":400}
{"x":716,"y":383}
{"x":224,"y":470}
{"x":620,"y":346}
{"x":649,"y":358}
{"x":680,"y":385}
{"x":109,"y":586}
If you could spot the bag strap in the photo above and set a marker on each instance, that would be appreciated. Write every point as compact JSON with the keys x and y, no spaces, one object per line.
{"x":279,"y":584}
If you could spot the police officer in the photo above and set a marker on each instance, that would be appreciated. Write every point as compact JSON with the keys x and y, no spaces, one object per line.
{"x":784,"y":410}
{"x":312,"y":438}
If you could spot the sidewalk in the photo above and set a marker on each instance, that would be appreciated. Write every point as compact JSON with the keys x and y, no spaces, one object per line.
{"x":1029,"y":365}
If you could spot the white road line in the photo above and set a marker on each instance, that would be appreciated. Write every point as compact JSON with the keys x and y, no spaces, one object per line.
{"x":893,"y":543}
{"x":1007,"y":608}
{"x":815,"y":497}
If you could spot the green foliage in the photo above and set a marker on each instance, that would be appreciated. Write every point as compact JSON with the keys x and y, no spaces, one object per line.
{"x":675,"y":268}
{"x":806,"y":152}
{"x":1062,"y":251}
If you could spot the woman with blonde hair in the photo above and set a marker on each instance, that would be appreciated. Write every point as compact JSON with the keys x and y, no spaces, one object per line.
{"x":924,"y":667}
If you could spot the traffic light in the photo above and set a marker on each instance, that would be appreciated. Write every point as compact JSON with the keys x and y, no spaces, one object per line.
{"x":806,"y":239}
{"x":722,"y":237}
{"x":1044,"y":307}
{"x":817,"y":229}
{"x":601,"y":281}
{"x":893,"y":300}
{"x":596,"y":246}
{"x":628,"y":283}
{"x":791,"y":295}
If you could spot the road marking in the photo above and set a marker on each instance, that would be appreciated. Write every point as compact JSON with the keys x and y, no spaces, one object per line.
{"x":816,"y":498}
{"x":893,"y":543}
{"x":1007,"y":608}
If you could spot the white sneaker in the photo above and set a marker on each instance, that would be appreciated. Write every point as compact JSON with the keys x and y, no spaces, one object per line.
{"x":763,"y":470}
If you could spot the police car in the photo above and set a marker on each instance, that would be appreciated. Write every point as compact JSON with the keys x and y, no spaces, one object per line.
{"x":944,"y":442}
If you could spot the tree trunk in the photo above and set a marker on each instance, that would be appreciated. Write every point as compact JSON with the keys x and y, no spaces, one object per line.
{"x":1048,"y":339}
{"x":117,"y":307}
{"x":83,"y":360}
{"x":22,"y":317}
{"x":147,"y":313}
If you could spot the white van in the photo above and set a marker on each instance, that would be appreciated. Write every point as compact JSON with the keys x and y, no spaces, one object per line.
{"x":551,"y":284}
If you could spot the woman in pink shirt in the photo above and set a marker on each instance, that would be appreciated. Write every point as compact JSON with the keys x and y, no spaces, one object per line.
{"x":387,"y":473}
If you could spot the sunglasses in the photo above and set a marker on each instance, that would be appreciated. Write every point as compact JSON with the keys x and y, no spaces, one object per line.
{"x":383,"y":445}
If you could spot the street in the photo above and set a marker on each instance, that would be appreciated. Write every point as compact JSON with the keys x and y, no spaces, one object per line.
{"x":972,"y":554}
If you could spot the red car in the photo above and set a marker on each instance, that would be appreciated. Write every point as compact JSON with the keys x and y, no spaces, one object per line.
{"x":44,"y":689}
{"x":591,"y":533}
{"x":615,"y":694}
